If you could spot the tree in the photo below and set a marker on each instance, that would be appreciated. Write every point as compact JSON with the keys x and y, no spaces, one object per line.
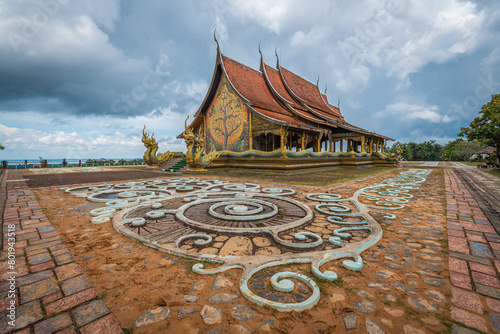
{"x":1,"y":147}
{"x":486,"y":127}
{"x":461,"y":150}
{"x":426,"y":151}
{"x":226,"y":118}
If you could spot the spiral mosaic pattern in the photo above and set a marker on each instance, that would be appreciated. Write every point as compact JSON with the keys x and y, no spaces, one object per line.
{"x":241,"y":225}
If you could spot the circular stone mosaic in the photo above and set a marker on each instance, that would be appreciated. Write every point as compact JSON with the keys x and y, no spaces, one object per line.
{"x":241,"y":225}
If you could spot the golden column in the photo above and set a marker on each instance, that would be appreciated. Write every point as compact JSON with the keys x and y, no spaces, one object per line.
{"x":250,"y":133}
{"x":363,"y":144}
{"x":303,"y":141}
{"x":282,"y":138}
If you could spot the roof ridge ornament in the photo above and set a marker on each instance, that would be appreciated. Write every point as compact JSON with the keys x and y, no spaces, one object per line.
{"x":261,"y":57}
{"x":317,"y":82}
{"x":216,"y":41}
{"x":326,"y":87}
{"x":277,"y":58}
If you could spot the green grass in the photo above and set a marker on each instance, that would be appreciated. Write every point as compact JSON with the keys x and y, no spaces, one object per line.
{"x":472,"y":163}
{"x":319,"y":178}
{"x":494,"y":172}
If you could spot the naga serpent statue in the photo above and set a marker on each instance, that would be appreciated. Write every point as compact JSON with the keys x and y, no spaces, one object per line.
{"x":195,"y":156}
{"x":150,"y":157}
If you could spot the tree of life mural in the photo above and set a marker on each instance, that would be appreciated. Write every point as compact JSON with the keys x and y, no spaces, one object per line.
{"x":226,"y":117}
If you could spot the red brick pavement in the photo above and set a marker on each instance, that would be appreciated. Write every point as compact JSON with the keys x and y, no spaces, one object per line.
{"x":51,"y":290}
{"x":473,"y":261}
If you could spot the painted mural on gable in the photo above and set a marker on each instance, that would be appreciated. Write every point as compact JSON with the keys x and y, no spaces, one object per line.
{"x":227,"y":120}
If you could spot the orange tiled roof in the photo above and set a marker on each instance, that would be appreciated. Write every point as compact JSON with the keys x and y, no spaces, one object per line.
{"x":305,"y":90}
{"x":252,"y":85}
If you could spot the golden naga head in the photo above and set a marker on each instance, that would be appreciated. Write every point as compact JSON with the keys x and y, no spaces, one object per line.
{"x":148,"y":141}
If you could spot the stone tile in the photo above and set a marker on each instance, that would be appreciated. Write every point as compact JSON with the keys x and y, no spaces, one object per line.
{"x":475,"y":237}
{"x":365,"y":306}
{"x":28,"y":279}
{"x":459,"y":266}
{"x":222,"y":298}
{"x":466,"y":300}
{"x":485,"y":279}
{"x":107,"y":325}
{"x":53,"y":324}
{"x":64,"y":258}
{"x":151,"y":316}
{"x":184,"y":311}
{"x":26,"y":314}
{"x":460,"y":280}
{"x":495,"y":321}
{"x":68,"y":271}
{"x":42,"y":266}
{"x":50,"y":298}
{"x":38,"y":290}
{"x":480,"y":249}
{"x":242,"y":312}
{"x":490,"y":270}
{"x":350,"y":322}
{"x":220,"y":282}
{"x":493,"y":304}
{"x":75,"y":284}
{"x":373,"y":328}
{"x":487,"y":290}
{"x":456,"y":329}
{"x":39,"y":258}
{"x":189,"y":299}
{"x":468,"y":319}
{"x":211,"y":315}
{"x":458,"y":245}
{"x":67,"y":303}
{"x":422,"y":304}
{"x":83,"y":314}
{"x":473,"y":258}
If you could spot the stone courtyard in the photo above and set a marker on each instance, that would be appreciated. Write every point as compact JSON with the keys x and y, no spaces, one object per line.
{"x":408,"y":250}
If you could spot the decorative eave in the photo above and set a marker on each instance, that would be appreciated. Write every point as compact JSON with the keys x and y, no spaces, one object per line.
{"x":330,"y":119}
{"x":284,"y":101}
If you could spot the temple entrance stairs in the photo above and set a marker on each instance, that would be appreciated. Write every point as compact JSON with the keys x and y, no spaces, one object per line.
{"x":177,"y":166}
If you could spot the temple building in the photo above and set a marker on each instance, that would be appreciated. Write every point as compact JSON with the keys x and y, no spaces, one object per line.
{"x":273,"y":119}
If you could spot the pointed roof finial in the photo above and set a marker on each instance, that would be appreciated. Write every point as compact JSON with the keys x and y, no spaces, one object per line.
{"x":216,"y":41}
{"x":317,"y":82}
{"x":326,"y":87}
{"x":338,"y":104}
{"x":260,"y":52}
{"x":277,"y":58}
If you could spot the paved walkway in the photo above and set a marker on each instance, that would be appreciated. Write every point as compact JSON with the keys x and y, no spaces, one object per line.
{"x":474,"y":246}
{"x":52,"y":295}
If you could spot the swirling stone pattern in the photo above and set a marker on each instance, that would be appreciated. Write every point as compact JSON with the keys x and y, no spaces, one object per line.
{"x":241,"y":225}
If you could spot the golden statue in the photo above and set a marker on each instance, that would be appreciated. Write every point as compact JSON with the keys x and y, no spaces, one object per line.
{"x":195,"y":156}
{"x":150,"y":157}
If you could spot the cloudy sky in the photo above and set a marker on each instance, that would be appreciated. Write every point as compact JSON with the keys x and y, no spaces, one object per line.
{"x":79,"y":79}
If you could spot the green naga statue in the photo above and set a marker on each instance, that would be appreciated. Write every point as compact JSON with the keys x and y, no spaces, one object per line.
{"x":150,"y":157}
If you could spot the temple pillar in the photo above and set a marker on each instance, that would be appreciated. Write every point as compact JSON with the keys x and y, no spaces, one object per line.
{"x":341,"y":145}
{"x":363,"y":144}
{"x":331,"y":144}
{"x":282,"y":137}
{"x":303,"y":140}
{"x":318,"y":144}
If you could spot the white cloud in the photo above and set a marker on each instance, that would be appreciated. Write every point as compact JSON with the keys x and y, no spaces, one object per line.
{"x":405,"y":110}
